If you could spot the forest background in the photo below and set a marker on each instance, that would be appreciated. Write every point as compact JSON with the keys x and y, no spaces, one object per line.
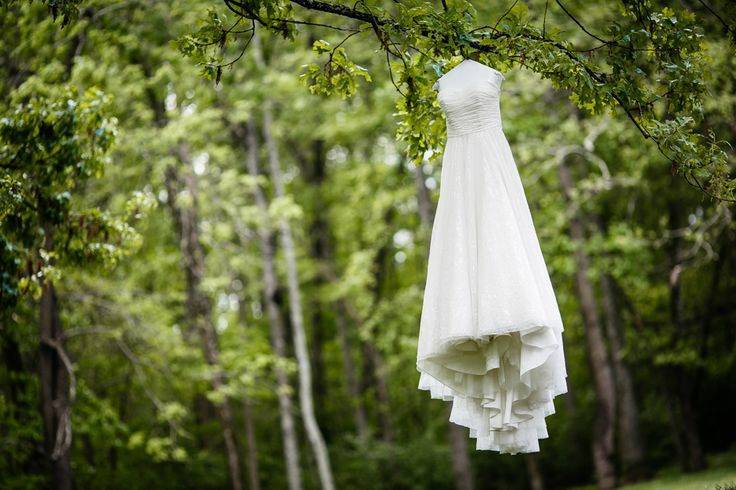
{"x":215,"y":223}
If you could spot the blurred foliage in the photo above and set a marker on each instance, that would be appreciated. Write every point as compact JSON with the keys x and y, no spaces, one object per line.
{"x":649,"y":62}
{"x":351,"y":146}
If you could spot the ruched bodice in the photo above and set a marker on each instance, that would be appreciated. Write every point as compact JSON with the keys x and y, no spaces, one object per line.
{"x":472,"y":109}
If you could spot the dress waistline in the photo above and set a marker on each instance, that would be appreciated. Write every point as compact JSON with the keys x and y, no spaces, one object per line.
{"x":457,"y":132}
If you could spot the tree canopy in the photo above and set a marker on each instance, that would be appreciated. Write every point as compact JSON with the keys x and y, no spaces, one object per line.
{"x":648,"y":62}
{"x":214,"y":221}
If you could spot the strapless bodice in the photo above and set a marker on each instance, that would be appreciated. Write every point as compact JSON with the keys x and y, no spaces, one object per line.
{"x":472,"y":109}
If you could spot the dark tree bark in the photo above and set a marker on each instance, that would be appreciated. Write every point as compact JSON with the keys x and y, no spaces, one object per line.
{"x":679,"y":383}
{"x":251,"y":447}
{"x":597,"y":351}
{"x":199,"y":308}
{"x":57,"y":385}
{"x":55,"y":399}
{"x":630,"y":441}
{"x":461,"y":468}
{"x":536,"y":480}
{"x":314,"y":173}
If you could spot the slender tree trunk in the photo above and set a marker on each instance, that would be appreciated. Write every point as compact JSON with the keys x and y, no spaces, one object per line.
{"x":373,"y":372}
{"x":720,"y":267}
{"x":372,"y":354}
{"x":425,"y":207}
{"x":57,"y":390}
{"x":696,"y":457}
{"x":603,"y":380}
{"x":301,"y":351}
{"x":89,"y":450}
{"x":251,"y":445}
{"x":55,"y":406}
{"x":461,"y":468}
{"x":313,"y":169}
{"x":277,"y":330}
{"x":250,"y":441}
{"x":314,"y":172}
{"x":631,"y":444}
{"x":318,"y":362}
{"x":681,"y":379}
{"x":198,"y":305}
{"x":536,"y":480}
{"x":630,"y":440}
{"x":361,"y":424}
{"x":356,"y":386}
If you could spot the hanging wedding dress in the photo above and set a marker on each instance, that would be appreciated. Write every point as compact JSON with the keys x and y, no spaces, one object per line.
{"x":490,"y":338}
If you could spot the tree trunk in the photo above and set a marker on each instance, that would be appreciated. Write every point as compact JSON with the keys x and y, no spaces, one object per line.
{"x":361,"y":424}
{"x":630,"y":440}
{"x":301,"y":351}
{"x":277,"y":331}
{"x":461,"y":468}
{"x":681,"y":378}
{"x":631,"y":444}
{"x":57,"y":385}
{"x":318,"y":363}
{"x":55,"y":406}
{"x":314,"y":173}
{"x":199,"y":309}
{"x":536,"y":480}
{"x":250,"y":442}
{"x":597,"y":352}
{"x":371,"y":358}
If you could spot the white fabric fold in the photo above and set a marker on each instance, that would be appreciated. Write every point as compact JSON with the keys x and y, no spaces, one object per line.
{"x":490,"y":337}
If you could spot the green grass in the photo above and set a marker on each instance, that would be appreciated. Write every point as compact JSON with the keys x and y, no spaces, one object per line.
{"x":720,"y":475}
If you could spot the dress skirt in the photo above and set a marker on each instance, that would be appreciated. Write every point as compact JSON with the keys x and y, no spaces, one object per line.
{"x":490,"y":334}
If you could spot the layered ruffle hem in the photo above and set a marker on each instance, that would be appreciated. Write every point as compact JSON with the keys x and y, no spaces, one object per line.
{"x":498,"y":386}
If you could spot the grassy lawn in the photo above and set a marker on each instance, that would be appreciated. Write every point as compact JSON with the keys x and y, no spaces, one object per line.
{"x":720,"y":475}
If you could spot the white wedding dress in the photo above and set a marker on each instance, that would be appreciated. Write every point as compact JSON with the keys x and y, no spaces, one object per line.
{"x":490,"y":338}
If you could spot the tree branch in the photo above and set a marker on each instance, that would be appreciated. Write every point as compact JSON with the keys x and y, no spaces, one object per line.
{"x":63,"y":440}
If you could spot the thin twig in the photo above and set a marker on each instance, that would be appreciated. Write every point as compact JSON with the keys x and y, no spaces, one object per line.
{"x":505,"y":14}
